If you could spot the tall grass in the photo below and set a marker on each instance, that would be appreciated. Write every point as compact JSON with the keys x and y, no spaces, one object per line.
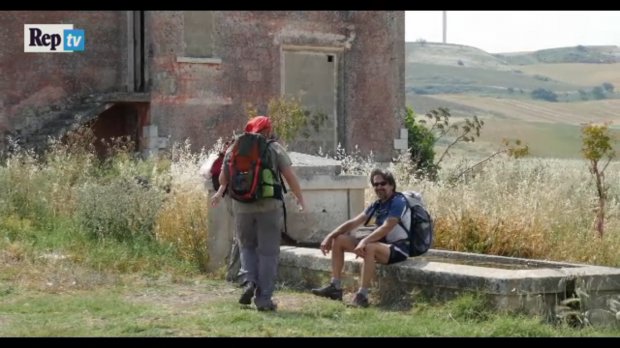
{"x":182,"y":221}
{"x":534,"y":208}
{"x":531,"y":207}
{"x":137,"y":212}
{"x":120,"y":212}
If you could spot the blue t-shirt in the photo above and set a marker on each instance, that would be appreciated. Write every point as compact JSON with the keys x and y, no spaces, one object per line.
{"x":393,"y":207}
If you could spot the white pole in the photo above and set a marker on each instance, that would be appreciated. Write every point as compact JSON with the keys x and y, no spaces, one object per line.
{"x":445,"y":26}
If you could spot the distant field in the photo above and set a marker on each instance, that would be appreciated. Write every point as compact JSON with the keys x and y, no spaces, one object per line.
{"x":421,"y":104}
{"x":452,"y":55}
{"x":419,"y":75}
{"x":575,"y":54}
{"x":497,"y":88}
{"x":543,"y":139}
{"x":588,"y":75}
{"x":538,"y":111}
{"x":549,"y":129}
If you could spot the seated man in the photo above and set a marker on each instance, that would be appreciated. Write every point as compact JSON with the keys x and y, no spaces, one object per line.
{"x":387,"y":244}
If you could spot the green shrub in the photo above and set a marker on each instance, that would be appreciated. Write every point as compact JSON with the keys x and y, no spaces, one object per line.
{"x":544,"y":94}
{"x":122,"y":209}
{"x":421,"y":143}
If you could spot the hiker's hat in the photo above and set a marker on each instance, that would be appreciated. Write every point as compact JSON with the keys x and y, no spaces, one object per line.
{"x":257,"y":124}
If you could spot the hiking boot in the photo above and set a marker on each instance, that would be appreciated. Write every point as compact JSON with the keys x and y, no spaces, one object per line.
{"x":268,"y":306}
{"x":359,"y":301}
{"x":248,"y":293}
{"x":329,"y":291}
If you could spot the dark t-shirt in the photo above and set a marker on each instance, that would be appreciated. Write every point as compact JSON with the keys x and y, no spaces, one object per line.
{"x":393,"y":207}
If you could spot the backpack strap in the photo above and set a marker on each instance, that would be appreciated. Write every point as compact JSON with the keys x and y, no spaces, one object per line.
{"x":284,"y":190}
{"x":269,"y":142}
{"x":400,"y":221}
{"x":375,"y":205}
{"x":285,"y":237}
{"x":372,"y":211}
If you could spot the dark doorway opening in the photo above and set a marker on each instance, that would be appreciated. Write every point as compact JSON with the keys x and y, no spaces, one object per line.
{"x":120,"y":124}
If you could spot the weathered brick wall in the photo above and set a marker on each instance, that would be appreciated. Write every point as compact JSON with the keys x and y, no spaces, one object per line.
{"x":375,"y":79}
{"x":206,"y":101}
{"x":33,"y":84}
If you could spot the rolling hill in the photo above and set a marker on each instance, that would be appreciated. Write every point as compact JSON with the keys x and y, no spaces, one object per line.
{"x":577,"y":73}
{"x":501,"y":89}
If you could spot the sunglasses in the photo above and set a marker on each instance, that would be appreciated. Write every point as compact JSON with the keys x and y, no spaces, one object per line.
{"x":381,"y":183}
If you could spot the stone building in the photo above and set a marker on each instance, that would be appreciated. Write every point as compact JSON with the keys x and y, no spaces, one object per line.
{"x":164,"y":76}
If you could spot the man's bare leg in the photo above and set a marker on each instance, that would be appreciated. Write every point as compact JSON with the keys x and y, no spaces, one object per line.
{"x":341,"y":244}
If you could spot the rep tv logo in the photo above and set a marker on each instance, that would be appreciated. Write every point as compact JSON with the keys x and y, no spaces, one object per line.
{"x":53,"y":38}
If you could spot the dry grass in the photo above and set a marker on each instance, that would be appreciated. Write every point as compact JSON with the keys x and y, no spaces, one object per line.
{"x":183,"y":222}
{"x":538,"y":208}
{"x":588,"y":75}
{"x":574,"y":113}
{"x":530,"y":208}
{"x":122,"y":198}
{"x":183,"y":219}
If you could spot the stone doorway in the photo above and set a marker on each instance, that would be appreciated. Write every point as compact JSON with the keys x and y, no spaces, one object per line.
{"x":123,"y":120}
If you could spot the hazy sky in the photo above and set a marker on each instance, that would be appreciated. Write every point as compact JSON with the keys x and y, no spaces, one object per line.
{"x":513,"y":31}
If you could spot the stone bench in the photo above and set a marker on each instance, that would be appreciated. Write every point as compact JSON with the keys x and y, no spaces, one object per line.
{"x":512,"y":284}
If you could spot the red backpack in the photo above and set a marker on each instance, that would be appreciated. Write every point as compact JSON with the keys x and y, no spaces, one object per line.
{"x":250,"y":169}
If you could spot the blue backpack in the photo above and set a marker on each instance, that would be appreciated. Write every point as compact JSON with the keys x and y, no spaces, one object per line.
{"x":420,"y":231}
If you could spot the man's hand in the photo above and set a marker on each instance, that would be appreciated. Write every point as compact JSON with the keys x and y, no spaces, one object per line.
{"x":360,"y":249}
{"x":326,"y":245}
{"x":301,"y":205}
{"x":215,"y":199}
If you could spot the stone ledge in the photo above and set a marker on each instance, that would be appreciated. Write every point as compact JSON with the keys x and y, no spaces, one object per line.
{"x":197,"y":60}
{"x":533,"y":286}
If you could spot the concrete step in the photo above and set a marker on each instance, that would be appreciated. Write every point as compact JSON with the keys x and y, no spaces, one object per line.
{"x":510,"y":284}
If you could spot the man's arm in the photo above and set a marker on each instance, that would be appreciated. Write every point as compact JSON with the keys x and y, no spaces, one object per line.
{"x":293,"y":183}
{"x":382,"y":230}
{"x":397,"y":208}
{"x":376,"y":235}
{"x":347,"y":226}
{"x":223,"y":178}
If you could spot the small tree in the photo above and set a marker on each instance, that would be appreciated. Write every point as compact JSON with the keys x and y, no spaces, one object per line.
{"x":424,"y":134}
{"x":598,"y":93}
{"x":420,"y":143}
{"x":597,"y":145}
{"x":512,"y":148}
{"x":289,"y":118}
{"x":422,"y":140}
{"x":544,"y":94}
{"x":608,"y":87}
{"x":467,"y":131}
